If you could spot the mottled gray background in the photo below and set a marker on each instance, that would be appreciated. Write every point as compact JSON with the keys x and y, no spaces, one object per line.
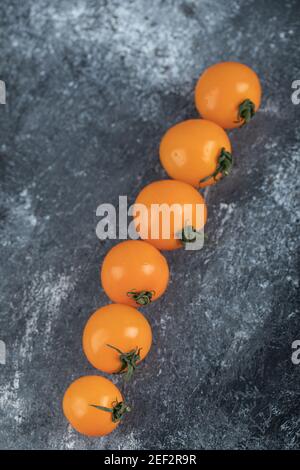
{"x":91,"y":88}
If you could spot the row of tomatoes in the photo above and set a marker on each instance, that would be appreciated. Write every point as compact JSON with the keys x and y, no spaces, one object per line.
{"x":195,"y":153}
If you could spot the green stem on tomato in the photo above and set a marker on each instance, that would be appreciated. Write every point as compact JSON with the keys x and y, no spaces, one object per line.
{"x":128,"y":360}
{"x":246,"y":111}
{"x":224,"y":164}
{"x":118,"y":410}
{"x":143,"y":297}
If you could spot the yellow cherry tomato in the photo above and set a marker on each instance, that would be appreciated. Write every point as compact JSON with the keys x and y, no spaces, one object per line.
{"x":93,"y":405}
{"x":228,"y":93}
{"x":116,"y":338}
{"x":169,"y":213}
{"x":134,"y":273}
{"x":196,"y":151}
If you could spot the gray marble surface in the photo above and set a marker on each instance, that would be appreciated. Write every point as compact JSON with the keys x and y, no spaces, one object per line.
{"x":91,"y":88}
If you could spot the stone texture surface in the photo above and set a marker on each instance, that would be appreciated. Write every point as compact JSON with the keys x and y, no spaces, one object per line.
{"x":91,"y":88}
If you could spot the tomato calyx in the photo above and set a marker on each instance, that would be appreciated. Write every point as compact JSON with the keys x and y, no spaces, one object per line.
{"x":246,"y":111}
{"x":189,"y":235}
{"x":118,"y":410}
{"x":225,"y":162}
{"x":128,"y":361}
{"x":143,"y":297}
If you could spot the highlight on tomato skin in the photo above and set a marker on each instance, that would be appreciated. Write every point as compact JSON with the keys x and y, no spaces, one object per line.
{"x":229,"y":94}
{"x":116,"y":339}
{"x":93,"y":405}
{"x":197,"y":152}
{"x":134,"y":273}
{"x":174,"y":198}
